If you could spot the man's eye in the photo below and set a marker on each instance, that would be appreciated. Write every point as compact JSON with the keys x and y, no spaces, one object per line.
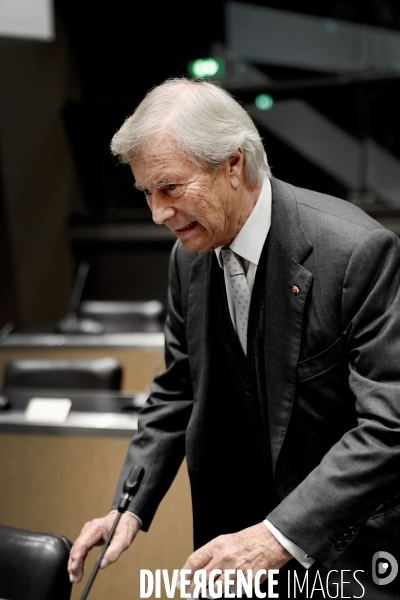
{"x":147,"y":192}
{"x":171,"y":186}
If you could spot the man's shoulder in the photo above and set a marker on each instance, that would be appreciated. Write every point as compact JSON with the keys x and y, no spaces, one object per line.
{"x":336,"y":210}
{"x":317,"y":208}
{"x":329,"y":223}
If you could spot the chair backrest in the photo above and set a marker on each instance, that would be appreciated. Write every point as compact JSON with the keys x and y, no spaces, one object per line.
{"x":118,"y":316}
{"x":96,"y":374}
{"x":33,"y":566}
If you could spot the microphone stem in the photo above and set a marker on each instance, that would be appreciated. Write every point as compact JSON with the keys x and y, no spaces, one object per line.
{"x":101,"y":556}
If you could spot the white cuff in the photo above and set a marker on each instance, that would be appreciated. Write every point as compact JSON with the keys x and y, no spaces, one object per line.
{"x":302,"y":557}
{"x":129,"y":513}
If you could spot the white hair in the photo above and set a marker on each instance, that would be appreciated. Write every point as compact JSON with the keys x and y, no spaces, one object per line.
{"x":206,"y":122}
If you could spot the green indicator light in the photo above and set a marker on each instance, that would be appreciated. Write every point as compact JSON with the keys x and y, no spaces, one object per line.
{"x":331,"y":25}
{"x":205,"y":67}
{"x":264,"y":101}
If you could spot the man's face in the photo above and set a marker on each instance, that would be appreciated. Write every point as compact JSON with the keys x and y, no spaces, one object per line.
{"x":198,"y":206}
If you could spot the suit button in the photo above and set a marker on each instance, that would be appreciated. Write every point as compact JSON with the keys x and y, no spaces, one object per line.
{"x":346,"y":537}
{"x":352,"y":530}
{"x":247,"y":390}
{"x":339,"y":545}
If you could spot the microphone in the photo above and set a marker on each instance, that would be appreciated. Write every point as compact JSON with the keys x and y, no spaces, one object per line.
{"x":5,"y":331}
{"x":130,"y":488}
{"x":72,"y":323}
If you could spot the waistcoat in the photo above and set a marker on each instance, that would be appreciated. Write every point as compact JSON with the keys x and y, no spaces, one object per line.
{"x":235,"y":487}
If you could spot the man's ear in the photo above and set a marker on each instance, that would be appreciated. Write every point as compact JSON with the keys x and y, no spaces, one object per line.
{"x":236,"y":167}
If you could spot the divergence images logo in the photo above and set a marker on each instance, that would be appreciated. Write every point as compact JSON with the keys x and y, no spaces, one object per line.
{"x":384,"y":568}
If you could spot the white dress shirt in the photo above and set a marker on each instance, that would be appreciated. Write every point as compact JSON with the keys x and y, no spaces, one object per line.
{"x":248,"y":244}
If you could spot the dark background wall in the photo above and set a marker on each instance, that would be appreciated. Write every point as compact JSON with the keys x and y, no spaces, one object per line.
{"x":37,"y":176}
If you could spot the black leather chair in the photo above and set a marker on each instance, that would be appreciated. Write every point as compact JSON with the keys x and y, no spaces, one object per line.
{"x":123,"y":317}
{"x":33,"y":566}
{"x":96,"y":374}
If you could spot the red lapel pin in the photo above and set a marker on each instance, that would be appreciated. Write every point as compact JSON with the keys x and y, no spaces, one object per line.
{"x":295,"y":290}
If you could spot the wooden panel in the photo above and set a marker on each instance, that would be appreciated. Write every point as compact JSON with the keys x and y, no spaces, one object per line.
{"x":138,"y":365}
{"x":56,"y":484}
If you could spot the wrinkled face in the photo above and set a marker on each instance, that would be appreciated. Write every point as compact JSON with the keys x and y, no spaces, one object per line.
{"x":200,"y":207}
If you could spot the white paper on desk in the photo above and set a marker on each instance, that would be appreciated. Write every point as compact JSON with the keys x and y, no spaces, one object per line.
{"x":48,"y":410}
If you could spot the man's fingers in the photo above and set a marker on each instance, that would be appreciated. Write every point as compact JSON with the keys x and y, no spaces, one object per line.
{"x":207,"y":570}
{"x":203,"y":558}
{"x":92,"y":533}
{"x":254,"y":548}
{"x":118,"y":545}
{"x":95,"y":532}
{"x":200,"y":558}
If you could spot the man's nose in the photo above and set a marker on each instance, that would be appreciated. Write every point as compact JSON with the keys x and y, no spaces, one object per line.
{"x":161,"y":209}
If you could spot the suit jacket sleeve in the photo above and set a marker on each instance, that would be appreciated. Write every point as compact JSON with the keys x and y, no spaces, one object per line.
{"x":159,"y":445}
{"x":362,"y":469}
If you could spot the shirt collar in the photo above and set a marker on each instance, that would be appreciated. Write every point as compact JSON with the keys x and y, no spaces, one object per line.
{"x":250,"y":240}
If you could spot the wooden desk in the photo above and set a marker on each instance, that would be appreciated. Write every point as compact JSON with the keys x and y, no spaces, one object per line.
{"x":55,"y":483}
{"x":140,"y":354}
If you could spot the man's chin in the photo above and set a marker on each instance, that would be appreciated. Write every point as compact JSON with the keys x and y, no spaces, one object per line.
{"x":196,"y":246}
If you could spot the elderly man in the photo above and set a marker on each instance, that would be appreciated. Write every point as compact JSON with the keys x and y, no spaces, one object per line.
{"x":282,"y":353}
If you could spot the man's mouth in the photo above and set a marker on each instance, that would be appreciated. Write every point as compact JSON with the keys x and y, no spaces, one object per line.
{"x":186,"y":227}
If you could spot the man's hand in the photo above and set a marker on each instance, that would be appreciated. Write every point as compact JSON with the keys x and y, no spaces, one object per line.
{"x":252,"y":548}
{"x":95,"y":533}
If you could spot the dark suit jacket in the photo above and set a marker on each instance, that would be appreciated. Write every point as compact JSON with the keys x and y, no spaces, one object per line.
{"x":332,"y":363}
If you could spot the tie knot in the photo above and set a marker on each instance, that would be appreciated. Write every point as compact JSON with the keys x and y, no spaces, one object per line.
{"x":232,"y":262}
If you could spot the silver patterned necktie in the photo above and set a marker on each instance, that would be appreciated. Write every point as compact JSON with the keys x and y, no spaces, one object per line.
{"x":241,"y":293}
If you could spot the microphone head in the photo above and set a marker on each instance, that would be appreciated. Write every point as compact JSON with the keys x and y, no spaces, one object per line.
{"x":134,"y":478}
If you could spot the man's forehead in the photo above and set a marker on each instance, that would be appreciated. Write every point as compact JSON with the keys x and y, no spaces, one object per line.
{"x":160,"y":153}
{"x":157,"y":166}
{"x":158,"y":147}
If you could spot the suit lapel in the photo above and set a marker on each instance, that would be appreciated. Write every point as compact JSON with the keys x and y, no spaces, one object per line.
{"x":287,"y":246}
{"x":198,"y":321}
